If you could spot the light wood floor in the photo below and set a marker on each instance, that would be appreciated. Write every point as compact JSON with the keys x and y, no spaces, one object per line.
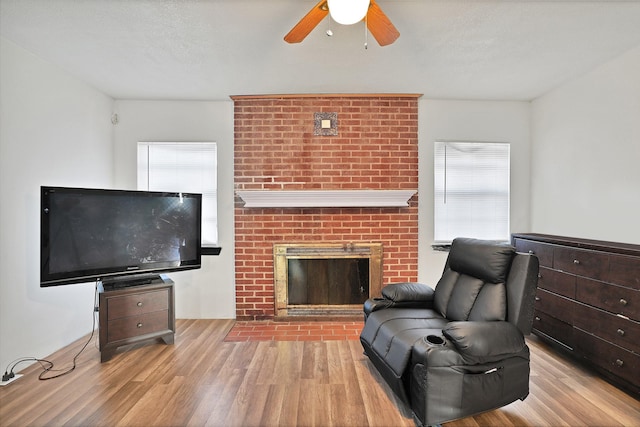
{"x":202,"y":380}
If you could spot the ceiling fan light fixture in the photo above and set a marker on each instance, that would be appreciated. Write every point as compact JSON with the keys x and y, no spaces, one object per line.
{"x":348,"y":12}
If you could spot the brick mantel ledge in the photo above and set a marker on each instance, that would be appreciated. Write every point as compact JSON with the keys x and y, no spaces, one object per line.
{"x":325,"y":198}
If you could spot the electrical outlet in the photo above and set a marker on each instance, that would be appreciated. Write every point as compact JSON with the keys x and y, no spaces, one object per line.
{"x":10,"y":380}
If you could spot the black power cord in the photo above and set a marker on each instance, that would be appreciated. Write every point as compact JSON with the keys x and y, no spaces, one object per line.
{"x":8,"y":373}
{"x":47,"y":366}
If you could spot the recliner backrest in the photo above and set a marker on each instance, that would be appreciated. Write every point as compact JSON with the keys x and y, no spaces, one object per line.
{"x":521,"y":291}
{"x":473,"y":285}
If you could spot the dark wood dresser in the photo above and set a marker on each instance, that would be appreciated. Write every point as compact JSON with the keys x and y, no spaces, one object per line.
{"x":588,"y":302}
{"x":134,"y":314}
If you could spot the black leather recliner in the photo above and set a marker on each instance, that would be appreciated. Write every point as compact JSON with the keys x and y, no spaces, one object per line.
{"x":457,"y":350}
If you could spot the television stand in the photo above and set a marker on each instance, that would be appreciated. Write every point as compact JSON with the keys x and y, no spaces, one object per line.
{"x":135,"y":314}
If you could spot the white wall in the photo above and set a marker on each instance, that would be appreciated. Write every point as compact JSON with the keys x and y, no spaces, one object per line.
{"x":494,"y":121}
{"x":208,"y":292}
{"x":55,"y":131}
{"x":586,"y":155}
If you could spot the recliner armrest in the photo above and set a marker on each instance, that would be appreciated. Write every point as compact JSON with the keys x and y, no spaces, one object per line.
{"x":375,"y":304}
{"x":480,"y":342}
{"x":401,"y":295}
{"x":408,"y":292}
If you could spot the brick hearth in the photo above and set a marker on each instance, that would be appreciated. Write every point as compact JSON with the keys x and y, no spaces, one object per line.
{"x":275,"y":149}
{"x":268,"y":330}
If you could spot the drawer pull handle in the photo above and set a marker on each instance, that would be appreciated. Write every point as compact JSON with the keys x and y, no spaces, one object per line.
{"x":531,"y":252}
{"x":576,"y":261}
{"x":139,"y":304}
{"x":537,"y":319}
{"x":619,"y":362}
{"x":537,"y":298}
{"x":623,"y":301}
{"x":139,"y":325}
{"x":620,"y":332}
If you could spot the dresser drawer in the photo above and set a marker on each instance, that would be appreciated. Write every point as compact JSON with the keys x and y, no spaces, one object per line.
{"x":543,"y":251}
{"x":554,"y":305}
{"x":558,"y":282}
{"x":138,"y":303}
{"x":625,"y":271}
{"x":135,"y":326}
{"x":581,"y":262}
{"x":615,"y":299}
{"x":609,"y":357}
{"x":554,"y":328}
{"x":623,"y":332}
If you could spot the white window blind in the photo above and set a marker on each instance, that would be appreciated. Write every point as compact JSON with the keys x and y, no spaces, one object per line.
{"x":471,"y":190}
{"x":188,"y":167}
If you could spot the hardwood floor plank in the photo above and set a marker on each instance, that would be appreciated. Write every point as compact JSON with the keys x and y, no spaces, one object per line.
{"x":211,"y":368}
{"x":382,"y":407}
{"x":341,"y":365}
{"x":288,"y":414}
{"x":273,"y":405}
{"x":313,"y":408}
{"x":109,"y":408}
{"x":161,"y":405}
{"x":223,"y":401}
{"x":249,"y":408}
{"x":202,"y":380}
{"x":314,"y":362}
{"x":602,"y":402}
{"x":249,"y":403}
{"x":288,"y":365}
{"x":525,"y":413}
{"x":205,"y":398}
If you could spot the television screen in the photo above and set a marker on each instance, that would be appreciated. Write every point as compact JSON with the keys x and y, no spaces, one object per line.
{"x":93,"y":234}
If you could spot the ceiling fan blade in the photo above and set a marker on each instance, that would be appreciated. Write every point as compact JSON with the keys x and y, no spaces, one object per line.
{"x":380,"y":26}
{"x":307,"y":23}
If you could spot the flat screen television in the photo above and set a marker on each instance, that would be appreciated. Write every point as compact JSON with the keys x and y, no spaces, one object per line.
{"x":97,"y":234}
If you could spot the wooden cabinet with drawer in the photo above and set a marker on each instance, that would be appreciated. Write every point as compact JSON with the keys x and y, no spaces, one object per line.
{"x":134,"y":314}
{"x":588,"y":301}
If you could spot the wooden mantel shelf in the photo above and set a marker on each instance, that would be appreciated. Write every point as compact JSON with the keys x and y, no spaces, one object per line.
{"x":325,"y":198}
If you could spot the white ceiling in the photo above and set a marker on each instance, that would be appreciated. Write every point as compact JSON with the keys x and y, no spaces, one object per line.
{"x":210,"y":49}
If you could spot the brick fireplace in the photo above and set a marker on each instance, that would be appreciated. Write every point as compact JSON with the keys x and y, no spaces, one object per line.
{"x":373,"y":148}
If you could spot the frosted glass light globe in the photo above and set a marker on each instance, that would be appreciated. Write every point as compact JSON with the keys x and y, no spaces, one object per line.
{"x":347,"y":12}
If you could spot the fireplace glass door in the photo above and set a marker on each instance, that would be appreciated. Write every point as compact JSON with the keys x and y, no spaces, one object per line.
{"x":337,"y":281}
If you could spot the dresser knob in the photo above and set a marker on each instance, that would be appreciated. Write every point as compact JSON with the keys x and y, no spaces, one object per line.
{"x":620,"y":332}
{"x":537,"y":319}
{"x":139,"y":325}
{"x":619,"y":362}
{"x":537,"y":298}
{"x":139,"y":304}
{"x":531,"y":252}
{"x":623,"y":301}
{"x":576,"y":261}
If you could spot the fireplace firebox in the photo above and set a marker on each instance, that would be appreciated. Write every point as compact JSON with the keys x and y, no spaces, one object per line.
{"x":325,"y":278}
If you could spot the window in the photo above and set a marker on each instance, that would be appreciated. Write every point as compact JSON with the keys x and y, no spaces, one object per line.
{"x":471,"y":191}
{"x":189,"y":167}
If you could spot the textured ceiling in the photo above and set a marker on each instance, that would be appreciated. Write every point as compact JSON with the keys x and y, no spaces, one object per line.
{"x":207,"y":50}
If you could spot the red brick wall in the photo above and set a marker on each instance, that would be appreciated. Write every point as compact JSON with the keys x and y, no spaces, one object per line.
{"x":275,"y":149}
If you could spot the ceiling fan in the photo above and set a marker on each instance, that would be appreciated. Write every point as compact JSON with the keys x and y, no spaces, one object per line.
{"x":378,"y":24}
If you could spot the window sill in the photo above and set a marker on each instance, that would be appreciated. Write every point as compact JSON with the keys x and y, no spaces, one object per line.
{"x":211,"y":250}
{"x":441,"y":247}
